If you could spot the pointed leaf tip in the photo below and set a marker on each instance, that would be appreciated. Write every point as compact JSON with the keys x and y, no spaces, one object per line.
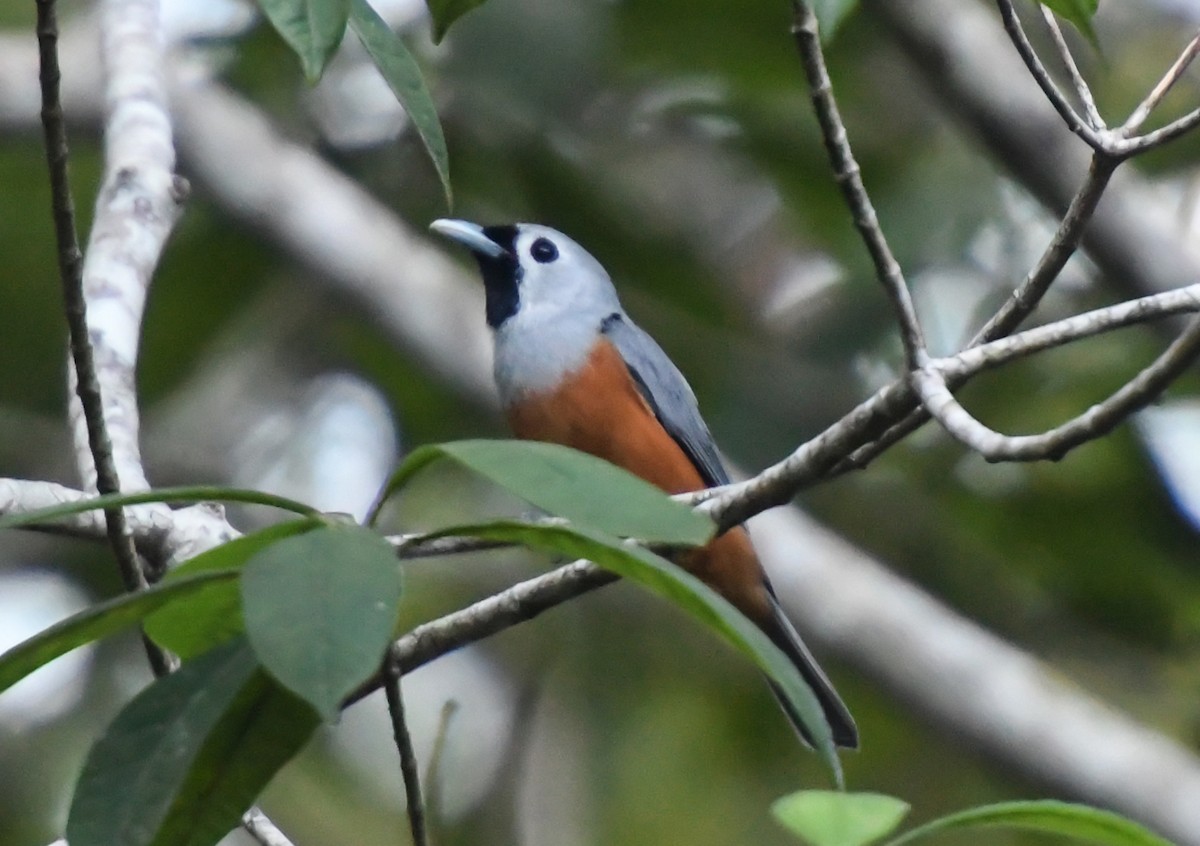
{"x":403,"y":75}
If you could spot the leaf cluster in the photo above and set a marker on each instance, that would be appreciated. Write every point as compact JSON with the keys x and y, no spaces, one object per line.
{"x":277,"y":629}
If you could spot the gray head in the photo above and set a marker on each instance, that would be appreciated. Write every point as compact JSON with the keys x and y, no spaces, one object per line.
{"x":531,"y":268}
{"x":546,"y":300}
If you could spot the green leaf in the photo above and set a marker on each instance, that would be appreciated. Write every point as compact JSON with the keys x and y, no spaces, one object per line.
{"x":686,"y":591}
{"x":192,"y":493}
{"x":833,"y":818}
{"x":213,"y":614}
{"x":830,"y":15}
{"x":260,"y":732}
{"x":586,"y":490}
{"x":320,"y":608}
{"x":1078,"y":13}
{"x":98,"y":621}
{"x":403,"y":76}
{"x":446,"y":12}
{"x":312,"y":28}
{"x":1048,"y":817}
{"x":134,"y":771}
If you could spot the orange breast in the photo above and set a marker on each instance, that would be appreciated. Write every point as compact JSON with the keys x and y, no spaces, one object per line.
{"x":599,"y":410}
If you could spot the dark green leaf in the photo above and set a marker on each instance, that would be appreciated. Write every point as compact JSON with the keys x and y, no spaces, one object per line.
{"x":1048,"y":817}
{"x":1078,"y":12}
{"x":685,"y":590}
{"x":259,"y":733}
{"x":320,"y":608}
{"x":312,"y":28}
{"x":571,"y":484}
{"x":133,"y":774}
{"x":98,"y":621}
{"x":193,"y":493}
{"x":833,"y":818}
{"x":830,"y":15}
{"x":214,"y":614}
{"x":446,"y":12}
{"x":403,"y":76}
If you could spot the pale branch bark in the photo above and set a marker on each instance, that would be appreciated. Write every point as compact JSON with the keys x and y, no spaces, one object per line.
{"x":409,"y":768}
{"x":1096,"y":421}
{"x":138,"y":204}
{"x":1082,"y":90}
{"x":825,"y":454}
{"x":848,"y":175}
{"x":962,"y":53}
{"x":1023,"y":301}
{"x":1016,"y":32}
{"x":1138,"y":116}
{"x":97,"y":445}
{"x":1020,"y":304}
{"x":260,"y":827}
{"x":1115,"y":143}
{"x":136,"y":208}
{"x":24,"y":496}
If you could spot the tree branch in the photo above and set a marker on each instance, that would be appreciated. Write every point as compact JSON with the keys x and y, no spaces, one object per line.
{"x":409,"y":768}
{"x":849,"y":178}
{"x":1016,"y":32}
{"x":97,"y":446}
{"x":1095,"y":120}
{"x":1138,"y":116}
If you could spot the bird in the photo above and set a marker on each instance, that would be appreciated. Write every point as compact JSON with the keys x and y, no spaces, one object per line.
{"x":572,"y":368}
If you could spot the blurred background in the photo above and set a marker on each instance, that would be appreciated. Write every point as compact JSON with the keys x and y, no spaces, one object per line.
{"x":675,"y":141}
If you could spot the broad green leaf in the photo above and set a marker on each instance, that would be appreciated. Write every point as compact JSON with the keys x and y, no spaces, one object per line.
{"x":320,"y":608}
{"x":1078,"y":12}
{"x":100,"y":620}
{"x":403,"y":76}
{"x":213,"y":614}
{"x":686,"y":591}
{"x":1079,"y":822}
{"x":830,"y":15}
{"x":446,"y":12}
{"x":134,"y":772}
{"x":193,"y":493}
{"x":260,"y":732}
{"x":833,"y":818}
{"x":312,"y":28}
{"x":586,"y":490}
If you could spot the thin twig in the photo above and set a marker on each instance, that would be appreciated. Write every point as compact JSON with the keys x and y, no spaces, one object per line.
{"x":1140,"y":144}
{"x":517,"y":604}
{"x":1096,"y":421}
{"x":70,"y":261}
{"x":1019,"y":305}
{"x":849,"y":178}
{"x":1068,"y":60}
{"x":437,"y":759}
{"x":408,"y":758}
{"x":1138,"y":116}
{"x":825,"y":455}
{"x":1016,"y":32}
{"x":1054,"y":258}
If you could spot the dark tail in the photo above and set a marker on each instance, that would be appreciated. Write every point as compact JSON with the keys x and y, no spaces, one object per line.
{"x":845,"y":732}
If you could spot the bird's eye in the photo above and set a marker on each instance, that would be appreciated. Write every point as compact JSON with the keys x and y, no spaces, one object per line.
{"x":543,"y":251}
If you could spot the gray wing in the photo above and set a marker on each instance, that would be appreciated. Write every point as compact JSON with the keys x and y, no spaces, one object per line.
{"x":668,"y":395}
